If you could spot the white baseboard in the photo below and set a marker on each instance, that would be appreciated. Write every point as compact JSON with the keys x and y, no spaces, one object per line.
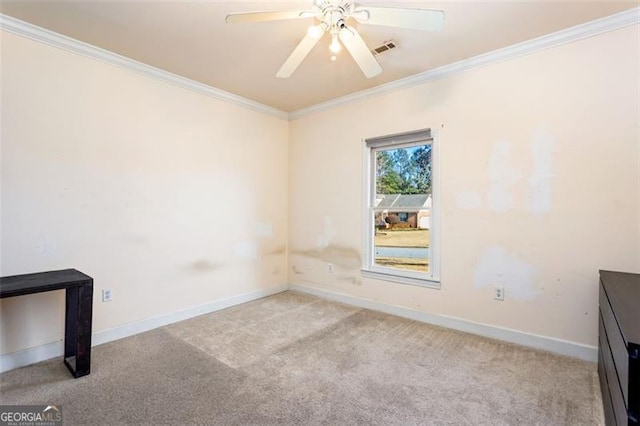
{"x":31,"y":356}
{"x":563,"y":347}
{"x":55,"y":349}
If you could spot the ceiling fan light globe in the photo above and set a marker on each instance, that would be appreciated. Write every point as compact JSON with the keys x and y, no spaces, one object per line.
{"x":335,"y":46}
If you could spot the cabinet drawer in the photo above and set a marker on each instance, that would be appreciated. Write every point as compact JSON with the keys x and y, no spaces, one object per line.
{"x":617,"y":400}
{"x":609,"y":417}
{"x":618,"y":347}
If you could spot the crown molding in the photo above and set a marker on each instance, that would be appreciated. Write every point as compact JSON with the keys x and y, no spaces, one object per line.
{"x":69,"y":44}
{"x":588,"y":29}
{"x":579,"y":32}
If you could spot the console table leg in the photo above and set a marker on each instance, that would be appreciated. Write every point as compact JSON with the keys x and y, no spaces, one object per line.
{"x":77,"y":336}
{"x":71,"y":324}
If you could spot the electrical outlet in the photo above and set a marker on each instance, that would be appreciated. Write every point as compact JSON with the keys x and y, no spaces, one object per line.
{"x":330,"y":268}
{"x":498,"y":293}
{"x":106,"y":295}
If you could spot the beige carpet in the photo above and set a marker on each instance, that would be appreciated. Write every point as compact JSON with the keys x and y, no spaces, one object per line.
{"x":297,"y":359}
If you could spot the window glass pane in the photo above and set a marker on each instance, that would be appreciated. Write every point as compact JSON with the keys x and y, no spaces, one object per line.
{"x":402,"y":207}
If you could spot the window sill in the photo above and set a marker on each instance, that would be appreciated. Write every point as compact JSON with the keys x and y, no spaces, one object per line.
{"x":402,"y":279}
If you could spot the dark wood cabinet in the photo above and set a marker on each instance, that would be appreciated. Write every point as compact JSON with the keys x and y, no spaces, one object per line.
{"x":619,"y":347}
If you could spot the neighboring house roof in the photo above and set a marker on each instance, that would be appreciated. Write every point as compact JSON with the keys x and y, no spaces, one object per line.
{"x":403,"y":201}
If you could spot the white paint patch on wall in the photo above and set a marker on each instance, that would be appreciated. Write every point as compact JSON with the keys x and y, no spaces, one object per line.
{"x":502,"y":177}
{"x":45,"y":247}
{"x":247,"y":250}
{"x":323,"y":240}
{"x":469,"y":200}
{"x":264,"y":229}
{"x":542,"y":145}
{"x":496,"y":267}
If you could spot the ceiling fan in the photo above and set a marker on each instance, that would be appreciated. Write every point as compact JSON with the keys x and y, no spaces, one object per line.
{"x":333,"y":16}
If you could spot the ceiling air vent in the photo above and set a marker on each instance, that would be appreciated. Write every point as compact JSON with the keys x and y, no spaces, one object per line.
{"x":387,"y":45}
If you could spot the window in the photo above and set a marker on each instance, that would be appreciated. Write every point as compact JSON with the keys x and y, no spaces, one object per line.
{"x":401,"y":232}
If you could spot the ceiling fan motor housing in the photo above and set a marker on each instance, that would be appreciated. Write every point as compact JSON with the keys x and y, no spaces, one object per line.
{"x":333,"y":15}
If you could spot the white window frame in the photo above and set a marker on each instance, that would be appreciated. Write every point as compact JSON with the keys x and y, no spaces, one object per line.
{"x":421,"y":137}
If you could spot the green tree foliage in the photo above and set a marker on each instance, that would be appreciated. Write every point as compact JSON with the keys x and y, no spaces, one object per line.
{"x":387,"y":179}
{"x":402,"y":165}
{"x":404,"y":171}
{"x":391,"y":183}
{"x":421,"y":165}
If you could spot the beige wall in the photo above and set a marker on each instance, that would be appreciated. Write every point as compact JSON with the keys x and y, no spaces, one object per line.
{"x":539,"y":184}
{"x":170,"y":198}
{"x":173,"y":199}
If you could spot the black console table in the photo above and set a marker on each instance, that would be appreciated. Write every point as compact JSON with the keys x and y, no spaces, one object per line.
{"x":78,"y":311}
{"x":619,"y":347}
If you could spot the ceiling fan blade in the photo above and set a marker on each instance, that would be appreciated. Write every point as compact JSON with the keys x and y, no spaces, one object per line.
{"x":297,"y":56}
{"x":249,"y":17}
{"x":360,"y":52}
{"x":416,"y":19}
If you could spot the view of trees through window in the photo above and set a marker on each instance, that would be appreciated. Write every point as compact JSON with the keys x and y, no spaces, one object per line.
{"x":402,"y":207}
{"x":404,"y":171}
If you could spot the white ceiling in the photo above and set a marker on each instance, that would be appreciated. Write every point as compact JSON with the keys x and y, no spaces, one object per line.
{"x":191,"y":39}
